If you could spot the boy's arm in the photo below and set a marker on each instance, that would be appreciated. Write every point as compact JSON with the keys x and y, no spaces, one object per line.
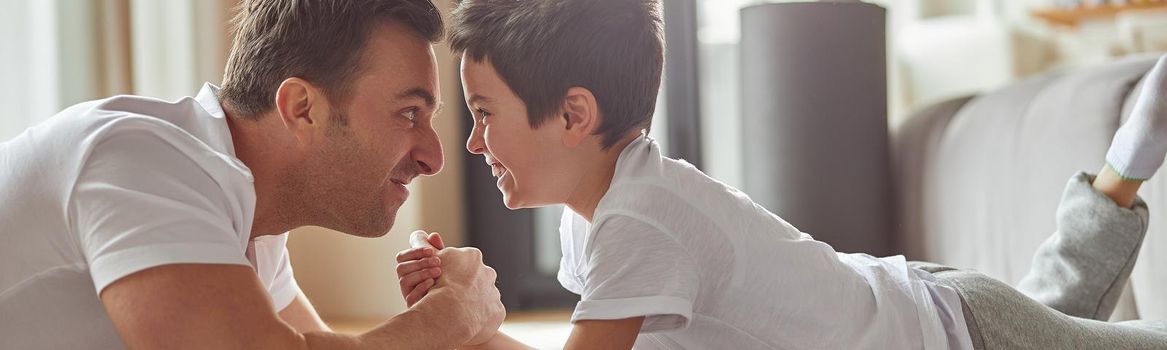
{"x":587,"y":334}
{"x":604,"y":334}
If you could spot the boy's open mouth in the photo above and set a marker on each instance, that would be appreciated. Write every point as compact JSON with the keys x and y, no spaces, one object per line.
{"x":497,"y":169}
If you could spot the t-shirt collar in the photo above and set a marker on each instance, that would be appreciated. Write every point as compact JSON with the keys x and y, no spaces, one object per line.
{"x":208,"y":99}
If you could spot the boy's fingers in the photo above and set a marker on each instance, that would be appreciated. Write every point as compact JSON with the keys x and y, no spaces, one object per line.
{"x":418,"y":239}
{"x":435,"y":240}
{"x":410,"y":281}
{"x":412,"y":266}
{"x":418,"y":292}
{"x":415,"y":254}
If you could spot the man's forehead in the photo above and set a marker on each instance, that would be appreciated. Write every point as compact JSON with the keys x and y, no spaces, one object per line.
{"x":399,"y":48}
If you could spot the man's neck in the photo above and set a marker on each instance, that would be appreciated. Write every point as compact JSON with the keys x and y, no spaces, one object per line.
{"x":597,"y":179}
{"x":263,"y":149}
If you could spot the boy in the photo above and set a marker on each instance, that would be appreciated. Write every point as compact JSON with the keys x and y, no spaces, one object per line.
{"x":665,"y":257}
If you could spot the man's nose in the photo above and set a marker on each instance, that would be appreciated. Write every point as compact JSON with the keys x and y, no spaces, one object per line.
{"x":429,"y":154}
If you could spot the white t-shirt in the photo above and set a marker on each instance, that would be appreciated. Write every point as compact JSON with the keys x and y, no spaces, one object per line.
{"x":710,"y":269}
{"x":111,"y":187}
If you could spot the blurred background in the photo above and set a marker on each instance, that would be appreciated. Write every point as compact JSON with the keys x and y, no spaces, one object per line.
{"x":59,"y":52}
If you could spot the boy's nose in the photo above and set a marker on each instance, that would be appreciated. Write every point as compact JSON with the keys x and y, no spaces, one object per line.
{"x":474,"y":143}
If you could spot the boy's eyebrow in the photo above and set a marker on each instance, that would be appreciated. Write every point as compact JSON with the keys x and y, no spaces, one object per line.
{"x":421,"y":93}
{"x":477,"y":98}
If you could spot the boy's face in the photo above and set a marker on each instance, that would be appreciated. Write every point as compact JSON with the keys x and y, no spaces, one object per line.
{"x":532,"y":165}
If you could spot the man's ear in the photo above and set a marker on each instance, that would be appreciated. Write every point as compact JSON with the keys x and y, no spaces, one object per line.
{"x":581,"y":115}
{"x":299,"y":106}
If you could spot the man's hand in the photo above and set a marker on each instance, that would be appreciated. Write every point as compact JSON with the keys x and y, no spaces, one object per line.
{"x":419,"y":266}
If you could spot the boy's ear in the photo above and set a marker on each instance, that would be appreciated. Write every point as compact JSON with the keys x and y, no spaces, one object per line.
{"x":302,"y":108}
{"x":581,"y":115}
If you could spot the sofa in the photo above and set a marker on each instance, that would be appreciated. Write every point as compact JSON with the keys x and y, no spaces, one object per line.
{"x":979,"y":178}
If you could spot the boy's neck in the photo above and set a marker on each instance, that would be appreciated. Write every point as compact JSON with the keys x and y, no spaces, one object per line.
{"x":596,"y":179}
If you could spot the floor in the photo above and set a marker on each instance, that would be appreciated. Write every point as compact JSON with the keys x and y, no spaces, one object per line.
{"x":540,"y":329}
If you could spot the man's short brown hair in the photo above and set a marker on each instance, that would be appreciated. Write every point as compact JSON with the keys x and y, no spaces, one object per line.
{"x":321,"y":41}
{"x":542,"y":48}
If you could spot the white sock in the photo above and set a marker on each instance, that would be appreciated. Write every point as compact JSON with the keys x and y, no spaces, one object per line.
{"x":1140,"y":144}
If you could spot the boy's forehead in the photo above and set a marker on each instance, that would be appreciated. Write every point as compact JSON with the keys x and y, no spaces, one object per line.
{"x":478,"y":98}
{"x":478,"y":76}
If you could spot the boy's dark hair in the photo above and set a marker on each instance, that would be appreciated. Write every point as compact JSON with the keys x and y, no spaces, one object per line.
{"x":321,"y":41}
{"x":541,"y":48}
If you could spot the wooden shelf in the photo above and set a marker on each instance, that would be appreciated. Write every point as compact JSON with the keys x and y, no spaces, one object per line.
{"x":1072,"y":17}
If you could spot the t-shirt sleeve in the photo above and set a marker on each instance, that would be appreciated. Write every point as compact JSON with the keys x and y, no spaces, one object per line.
{"x":636,"y":269}
{"x":145,"y":198}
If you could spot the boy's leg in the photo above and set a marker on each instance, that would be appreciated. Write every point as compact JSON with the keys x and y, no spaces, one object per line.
{"x":1140,"y":143}
{"x":1082,"y":268}
{"x":999,"y":317}
{"x":1121,"y":190}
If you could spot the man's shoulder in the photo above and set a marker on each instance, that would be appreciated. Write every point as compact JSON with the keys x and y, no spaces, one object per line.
{"x":87,"y":122}
{"x":180,"y":128}
{"x":65,"y":142}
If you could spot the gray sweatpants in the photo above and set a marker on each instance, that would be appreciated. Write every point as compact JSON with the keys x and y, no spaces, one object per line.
{"x":1073,"y":286}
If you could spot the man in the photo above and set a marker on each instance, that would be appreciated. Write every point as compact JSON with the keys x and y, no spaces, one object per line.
{"x":138,"y":223}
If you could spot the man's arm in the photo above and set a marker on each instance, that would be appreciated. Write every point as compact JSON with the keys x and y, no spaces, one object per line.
{"x":217,"y":306}
{"x":500,"y":341}
{"x":302,"y":316}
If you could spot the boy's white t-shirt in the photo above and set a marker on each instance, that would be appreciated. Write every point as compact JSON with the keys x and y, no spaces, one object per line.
{"x":710,"y":269}
{"x":111,"y":187}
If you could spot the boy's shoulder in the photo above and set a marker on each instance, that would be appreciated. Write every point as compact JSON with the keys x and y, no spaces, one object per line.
{"x":663,"y":179}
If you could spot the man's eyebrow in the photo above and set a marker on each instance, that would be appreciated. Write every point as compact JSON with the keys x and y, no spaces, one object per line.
{"x":421,"y":93}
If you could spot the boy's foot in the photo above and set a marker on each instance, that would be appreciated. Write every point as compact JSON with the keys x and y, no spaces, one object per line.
{"x":1140,"y":144}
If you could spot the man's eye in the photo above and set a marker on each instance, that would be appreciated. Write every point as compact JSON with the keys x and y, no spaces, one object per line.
{"x":410,"y":114}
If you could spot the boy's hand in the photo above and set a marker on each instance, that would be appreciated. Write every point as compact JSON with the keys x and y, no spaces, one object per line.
{"x":419,"y":267}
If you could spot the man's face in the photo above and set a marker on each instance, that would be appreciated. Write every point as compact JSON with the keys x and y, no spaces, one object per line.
{"x":358,"y":175}
{"x":530,"y":164}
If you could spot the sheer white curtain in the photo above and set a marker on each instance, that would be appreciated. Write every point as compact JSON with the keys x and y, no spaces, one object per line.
{"x":60,"y":52}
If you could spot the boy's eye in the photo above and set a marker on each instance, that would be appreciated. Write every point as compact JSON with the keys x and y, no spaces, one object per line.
{"x":482,"y":113}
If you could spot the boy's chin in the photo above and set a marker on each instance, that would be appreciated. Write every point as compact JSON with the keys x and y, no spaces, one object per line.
{"x":512,"y":202}
{"x":515,"y":202}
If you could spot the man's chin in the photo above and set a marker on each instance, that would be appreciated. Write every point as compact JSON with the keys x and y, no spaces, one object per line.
{"x":373,"y":231}
{"x":374,"y":227}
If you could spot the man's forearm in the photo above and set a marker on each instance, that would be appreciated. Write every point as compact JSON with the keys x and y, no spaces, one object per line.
{"x":499,"y":342}
{"x":427,"y":325}
{"x":403,"y":331}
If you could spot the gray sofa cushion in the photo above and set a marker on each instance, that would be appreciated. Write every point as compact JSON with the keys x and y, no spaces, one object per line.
{"x":979,"y":178}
